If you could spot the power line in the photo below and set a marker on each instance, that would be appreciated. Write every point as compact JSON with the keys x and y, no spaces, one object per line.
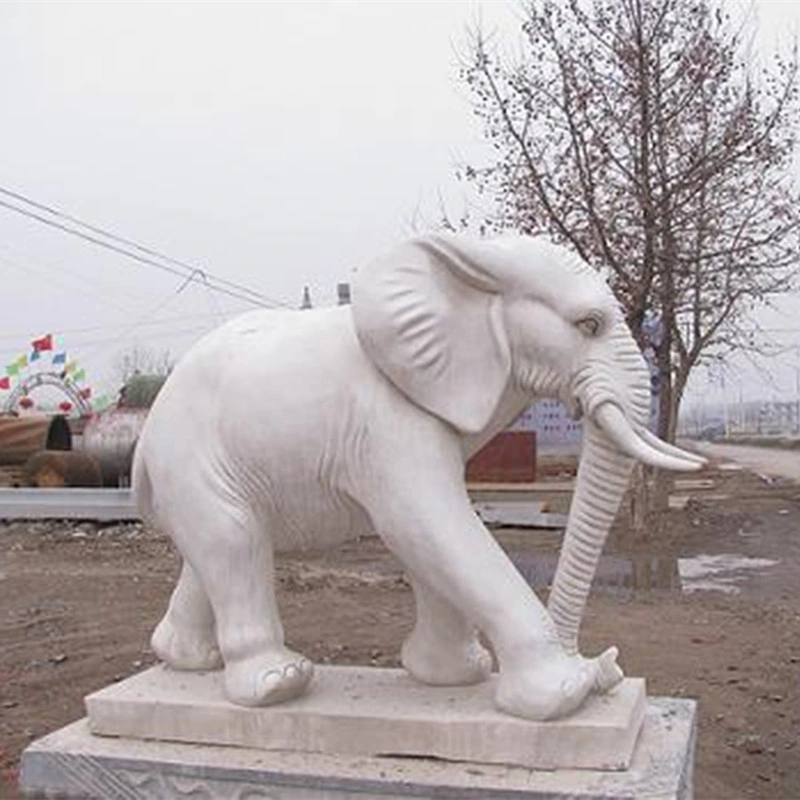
{"x":108,"y":246}
{"x":107,"y":345}
{"x":57,"y":280}
{"x":194,"y":273}
{"x":93,"y":354}
{"x":141,"y":248}
{"x":118,"y":326}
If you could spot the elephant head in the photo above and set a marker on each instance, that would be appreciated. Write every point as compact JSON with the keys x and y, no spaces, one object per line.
{"x":472,"y":330}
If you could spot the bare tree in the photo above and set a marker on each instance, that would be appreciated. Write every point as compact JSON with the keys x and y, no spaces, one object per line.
{"x":141,"y":360}
{"x":639,"y":132}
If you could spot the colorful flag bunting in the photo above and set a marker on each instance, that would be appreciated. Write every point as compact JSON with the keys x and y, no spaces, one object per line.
{"x":35,"y":356}
{"x":86,"y":392}
{"x":5,"y":383}
{"x":79,"y":375}
{"x":71,"y":367}
{"x":44,"y":343}
{"x":12,"y":369}
{"x":22,"y":361}
{"x":60,"y":358}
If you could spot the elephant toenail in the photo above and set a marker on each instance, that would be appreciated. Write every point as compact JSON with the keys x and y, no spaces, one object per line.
{"x":270,"y":680}
{"x":609,"y":673}
{"x":291,"y":672}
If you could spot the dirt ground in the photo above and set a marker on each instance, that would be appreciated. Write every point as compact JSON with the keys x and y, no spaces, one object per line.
{"x":78,"y":602}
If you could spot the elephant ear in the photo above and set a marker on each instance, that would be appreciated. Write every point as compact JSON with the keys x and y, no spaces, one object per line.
{"x":432,"y":323}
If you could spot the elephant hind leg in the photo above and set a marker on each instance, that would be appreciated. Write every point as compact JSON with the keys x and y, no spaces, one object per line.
{"x":231,"y":554}
{"x":185,"y":637}
{"x":443,"y":649}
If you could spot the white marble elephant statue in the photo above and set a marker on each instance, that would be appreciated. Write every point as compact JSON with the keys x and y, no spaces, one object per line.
{"x":285,"y":429}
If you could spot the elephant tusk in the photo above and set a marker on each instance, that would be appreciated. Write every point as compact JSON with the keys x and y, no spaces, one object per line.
{"x":612,"y":421}
{"x":669,"y":449}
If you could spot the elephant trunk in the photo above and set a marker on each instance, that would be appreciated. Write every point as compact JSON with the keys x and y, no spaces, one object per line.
{"x":621,"y":387}
{"x":602,"y":479}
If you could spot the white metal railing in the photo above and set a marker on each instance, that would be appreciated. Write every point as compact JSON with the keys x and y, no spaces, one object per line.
{"x":94,"y":504}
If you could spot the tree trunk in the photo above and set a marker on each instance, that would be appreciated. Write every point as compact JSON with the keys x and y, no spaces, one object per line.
{"x":650,"y":488}
{"x":639,"y":505}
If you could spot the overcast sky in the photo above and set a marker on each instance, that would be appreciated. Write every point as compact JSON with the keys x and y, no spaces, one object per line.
{"x":273,"y":144}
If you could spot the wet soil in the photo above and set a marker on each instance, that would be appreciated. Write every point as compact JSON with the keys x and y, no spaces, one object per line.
{"x":78,"y":602}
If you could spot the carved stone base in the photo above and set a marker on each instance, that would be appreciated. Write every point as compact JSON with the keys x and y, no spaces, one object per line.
{"x":373,"y":712}
{"x":73,"y":763}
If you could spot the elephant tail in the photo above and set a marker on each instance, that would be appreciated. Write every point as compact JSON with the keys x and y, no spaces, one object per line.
{"x":142,"y":487}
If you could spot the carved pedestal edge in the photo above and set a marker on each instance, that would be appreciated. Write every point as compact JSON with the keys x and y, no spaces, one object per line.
{"x":73,"y":763}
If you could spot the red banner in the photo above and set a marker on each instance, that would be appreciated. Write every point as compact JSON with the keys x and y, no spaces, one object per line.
{"x":5,"y":383}
{"x":45,"y":343}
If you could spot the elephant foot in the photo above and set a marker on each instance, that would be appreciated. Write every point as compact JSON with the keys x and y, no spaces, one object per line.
{"x":184,"y":647}
{"x":557,"y":686}
{"x":431,"y":662}
{"x":267,"y":678}
{"x":609,"y":673}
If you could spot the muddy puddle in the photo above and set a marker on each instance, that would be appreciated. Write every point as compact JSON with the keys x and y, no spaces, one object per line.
{"x":723,"y":572}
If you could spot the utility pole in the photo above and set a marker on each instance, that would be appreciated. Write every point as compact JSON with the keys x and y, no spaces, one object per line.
{"x":725,"y":420}
{"x":797,"y":390}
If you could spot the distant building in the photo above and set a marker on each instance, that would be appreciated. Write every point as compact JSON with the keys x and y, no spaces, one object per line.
{"x":555,"y":429}
{"x":306,"y":302}
{"x":343,"y":294}
{"x":544,"y":428}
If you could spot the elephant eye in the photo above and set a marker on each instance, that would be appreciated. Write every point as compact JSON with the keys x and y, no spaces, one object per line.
{"x":590,"y":325}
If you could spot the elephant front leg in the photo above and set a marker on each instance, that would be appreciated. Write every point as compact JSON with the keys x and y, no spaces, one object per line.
{"x":443,"y":649}
{"x":426,"y":519}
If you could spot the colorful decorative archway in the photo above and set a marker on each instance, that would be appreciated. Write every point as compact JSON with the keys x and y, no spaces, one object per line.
{"x":56,"y":379}
{"x":45,"y":365}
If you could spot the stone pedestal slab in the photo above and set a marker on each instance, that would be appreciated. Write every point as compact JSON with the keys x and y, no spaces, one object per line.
{"x":73,"y":763}
{"x":355,"y":711}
